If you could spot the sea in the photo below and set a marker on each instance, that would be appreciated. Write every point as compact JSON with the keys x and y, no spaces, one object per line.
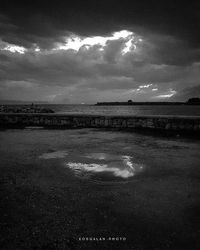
{"x":184,"y":110}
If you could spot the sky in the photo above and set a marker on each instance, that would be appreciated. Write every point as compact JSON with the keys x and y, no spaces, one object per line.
{"x":93,"y":51}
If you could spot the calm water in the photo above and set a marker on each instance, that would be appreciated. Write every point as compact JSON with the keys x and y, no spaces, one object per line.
{"x":128,"y":110}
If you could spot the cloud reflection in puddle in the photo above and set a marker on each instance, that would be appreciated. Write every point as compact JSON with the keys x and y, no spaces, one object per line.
{"x":117,"y":165}
{"x":98,"y":168}
{"x":97,"y":164}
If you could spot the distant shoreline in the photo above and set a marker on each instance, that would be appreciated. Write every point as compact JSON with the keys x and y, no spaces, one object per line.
{"x":143,"y":103}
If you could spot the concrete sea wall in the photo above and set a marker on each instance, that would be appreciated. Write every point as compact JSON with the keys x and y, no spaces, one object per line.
{"x":174,"y":123}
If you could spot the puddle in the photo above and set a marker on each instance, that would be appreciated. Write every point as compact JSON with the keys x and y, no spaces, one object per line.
{"x":105,"y":167}
{"x":54,"y":155}
{"x":102,"y":156}
{"x":98,"y":166}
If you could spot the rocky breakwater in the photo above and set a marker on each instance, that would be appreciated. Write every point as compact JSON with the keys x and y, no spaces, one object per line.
{"x":24,"y":109}
{"x":170,"y":123}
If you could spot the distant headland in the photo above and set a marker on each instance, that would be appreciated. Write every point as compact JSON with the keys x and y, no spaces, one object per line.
{"x":191,"y":101}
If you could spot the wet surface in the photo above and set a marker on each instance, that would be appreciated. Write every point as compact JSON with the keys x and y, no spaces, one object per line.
{"x":56,"y":186}
{"x":106,"y":166}
{"x":98,"y":166}
{"x":53,"y":155}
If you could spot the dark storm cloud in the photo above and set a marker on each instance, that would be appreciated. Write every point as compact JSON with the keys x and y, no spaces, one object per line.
{"x":48,"y":19}
{"x":59,"y":68}
{"x":187,"y":93}
{"x":112,"y":50}
{"x":169,"y":50}
{"x":167,"y":57}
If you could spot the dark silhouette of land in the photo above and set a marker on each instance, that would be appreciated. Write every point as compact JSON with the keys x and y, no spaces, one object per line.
{"x":191,"y":101}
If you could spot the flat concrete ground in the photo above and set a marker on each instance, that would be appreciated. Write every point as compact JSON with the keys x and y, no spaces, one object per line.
{"x":59,"y":185}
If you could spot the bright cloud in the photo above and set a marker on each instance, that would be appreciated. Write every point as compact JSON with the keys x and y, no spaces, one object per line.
{"x":169,"y":94}
{"x":37,"y":49}
{"x":14,"y":48}
{"x":76,"y":42}
{"x":142,"y":88}
{"x":145,"y":86}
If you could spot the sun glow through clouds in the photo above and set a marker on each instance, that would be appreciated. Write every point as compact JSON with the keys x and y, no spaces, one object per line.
{"x":75,"y":42}
{"x":145,"y":86}
{"x":14,"y":48}
{"x":169,"y":94}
